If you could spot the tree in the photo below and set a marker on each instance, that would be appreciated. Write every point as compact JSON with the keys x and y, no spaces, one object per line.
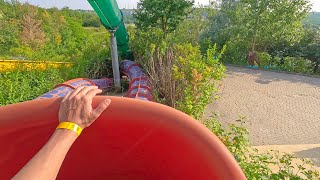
{"x":259,"y":24}
{"x":165,"y":14}
{"x":32,"y":34}
{"x":9,"y":26}
{"x":313,"y":53}
{"x":269,"y":22}
{"x":308,"y":47}
{"x":192,"y":28}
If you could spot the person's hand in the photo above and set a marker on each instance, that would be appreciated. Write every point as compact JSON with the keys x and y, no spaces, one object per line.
{"x":76,"y":106}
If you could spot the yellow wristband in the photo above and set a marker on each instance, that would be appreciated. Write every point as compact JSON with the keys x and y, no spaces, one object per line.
{"x":70,"y":126}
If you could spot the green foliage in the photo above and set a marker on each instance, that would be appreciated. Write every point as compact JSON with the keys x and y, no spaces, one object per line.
{"x":9,"y":26}
{"x":308,"y":48}
{"x":65,"y":40}
{"x":258,"y":165}
{"x":274,"y":21}
{"x":196,"y":75}
{"x":165,"y":15}
{"x":19,"y":86}
{"x":95,"y":59}
{"x":297,"y":64}
{"x":191,"y":29}
{"x":87,"y":18}
{"x":256,"y":25}
{"x":57,"y":35}
{"x":237,"y":51}
{"x":181,"y":76}
{"x":264,"y":58}
{"x":91,"y":22}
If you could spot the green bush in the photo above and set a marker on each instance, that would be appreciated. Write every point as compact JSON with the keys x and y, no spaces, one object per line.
{"x":64,"y":39}
{"x":257,"y":165}
{"x":181,"y":76}
{"x":236,"y":53}
{"x":19,"y":86}
{"x":264,"y":59}
{"x":276,"y":63}
{"x":91,"y":22}
{"x":95,"y":61}
{"x":297,"y":64}
{"x":197,"y":75}
{"x":292,"y":64}
{"x":49,"y":34}
{"x":24,"y":85}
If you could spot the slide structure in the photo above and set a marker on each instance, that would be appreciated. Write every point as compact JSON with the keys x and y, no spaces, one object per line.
{"x":135,"y":138}
{"x":112,"y":19}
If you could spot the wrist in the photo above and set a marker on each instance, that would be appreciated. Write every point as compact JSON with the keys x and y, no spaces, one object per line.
{"x":66,"y":134}
{"x":70,"y":126}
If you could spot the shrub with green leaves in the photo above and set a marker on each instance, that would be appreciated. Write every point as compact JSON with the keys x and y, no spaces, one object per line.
{"x":181,"y":76}
{"x":197,"y":75}
{"x":237,"y":52}
{"x":297,"y":64}
{"x":264,"y":59}
{"x":19,"y":86}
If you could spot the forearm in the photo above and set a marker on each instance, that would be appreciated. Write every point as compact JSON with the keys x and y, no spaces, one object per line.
{"x":76,"y":108}
{"x":47,"y":162}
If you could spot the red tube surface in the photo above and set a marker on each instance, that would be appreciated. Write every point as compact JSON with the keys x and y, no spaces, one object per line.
{"x":149,"y":141}
{"x":62,"y":90}
{"x":139,"y":87}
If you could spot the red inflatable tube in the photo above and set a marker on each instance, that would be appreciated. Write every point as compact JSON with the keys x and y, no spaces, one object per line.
{"x":139,"y":87}
{"x":148,"y":141}
{"x":62,"y":90}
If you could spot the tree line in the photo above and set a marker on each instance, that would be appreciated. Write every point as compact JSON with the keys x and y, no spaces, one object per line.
{"x":276,"y":32}
{"x":31,"y":32}
{"x":269,"y":34}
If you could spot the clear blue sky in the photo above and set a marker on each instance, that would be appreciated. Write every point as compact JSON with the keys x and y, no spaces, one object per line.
{"x":83,"y":4}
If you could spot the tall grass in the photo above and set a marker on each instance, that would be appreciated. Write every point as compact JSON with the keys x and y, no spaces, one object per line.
{"x":23,"y":84}
{"x":19,"y":86}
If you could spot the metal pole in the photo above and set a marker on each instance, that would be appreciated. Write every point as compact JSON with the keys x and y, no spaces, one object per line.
{"x":115,"y":61}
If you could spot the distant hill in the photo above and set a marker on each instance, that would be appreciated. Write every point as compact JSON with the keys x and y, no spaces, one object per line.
{"x":314,"y":19}
{"x":128,"y":16}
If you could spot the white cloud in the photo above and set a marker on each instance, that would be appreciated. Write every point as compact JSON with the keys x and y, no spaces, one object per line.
{"x":316,"y":5}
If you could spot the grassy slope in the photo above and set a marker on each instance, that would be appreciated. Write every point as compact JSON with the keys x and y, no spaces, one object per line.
{"x":314,"y":18}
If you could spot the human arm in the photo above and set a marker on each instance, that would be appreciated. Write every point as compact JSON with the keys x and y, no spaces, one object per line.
{"x":76,"y":108}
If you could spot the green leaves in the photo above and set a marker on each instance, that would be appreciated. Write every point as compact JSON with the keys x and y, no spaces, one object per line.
{"x":65,"y":40}
{"x":19,"y":86}
{"x":257,"y":24}
{"x":165,"y":14}
{"x":181,"y":76}
{"x":197,"y":75}
{"x":33,"y":33}
{"x":257,"y":165}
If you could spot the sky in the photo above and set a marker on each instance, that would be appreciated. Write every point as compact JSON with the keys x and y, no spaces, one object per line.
{"x":128,"y":4}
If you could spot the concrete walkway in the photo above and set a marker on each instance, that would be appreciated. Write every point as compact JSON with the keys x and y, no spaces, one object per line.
{"x":280,"y":108}
{"x":281,"y":111}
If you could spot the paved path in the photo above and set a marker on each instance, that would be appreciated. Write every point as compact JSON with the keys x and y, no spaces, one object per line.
{"x":281,"y":109}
